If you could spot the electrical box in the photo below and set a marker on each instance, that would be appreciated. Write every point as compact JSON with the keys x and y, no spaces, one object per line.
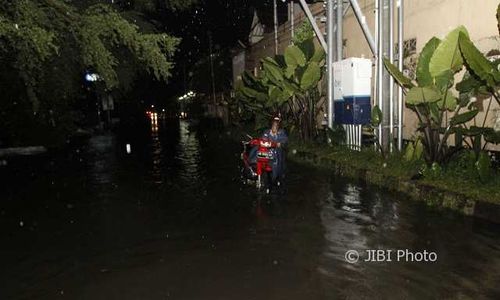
{"x":352,"y":91}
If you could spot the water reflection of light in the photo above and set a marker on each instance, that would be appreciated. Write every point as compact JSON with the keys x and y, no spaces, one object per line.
{"x":103,"y":165}
{"x":154,"y":121}
{"x":189,"y":154}
{"x":343,"y":222}
{"x":353,"y":219}
{"x":156,"y":171}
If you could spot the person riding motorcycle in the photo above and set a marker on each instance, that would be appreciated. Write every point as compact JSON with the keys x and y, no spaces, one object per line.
{"x":279,"y":136}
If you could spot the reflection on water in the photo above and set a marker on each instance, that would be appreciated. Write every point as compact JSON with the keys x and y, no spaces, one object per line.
{"x":189,"y":155}
{"x":173,"y":220}
{"x":156,"y":150}
{"x":362,"y":218}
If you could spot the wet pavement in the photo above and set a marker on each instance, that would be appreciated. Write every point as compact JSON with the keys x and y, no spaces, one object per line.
{"x":173,"y":220}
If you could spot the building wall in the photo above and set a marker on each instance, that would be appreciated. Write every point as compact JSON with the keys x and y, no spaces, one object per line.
{"x":423,"y":20}
{"x":266,"y":47}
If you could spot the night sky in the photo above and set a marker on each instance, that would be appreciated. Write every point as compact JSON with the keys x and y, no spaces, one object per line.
{"x":226,"y":21}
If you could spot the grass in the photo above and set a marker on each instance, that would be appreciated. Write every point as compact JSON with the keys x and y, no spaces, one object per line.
{"x":454,"y":178}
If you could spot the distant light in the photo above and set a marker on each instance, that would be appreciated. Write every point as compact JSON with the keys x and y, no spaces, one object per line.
{"x":91,"y":77}
{"x":129,"y":149}
{"x":189,"y":95}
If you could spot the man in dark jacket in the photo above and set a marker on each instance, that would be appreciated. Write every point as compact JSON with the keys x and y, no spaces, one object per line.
{"x":279,"y":136}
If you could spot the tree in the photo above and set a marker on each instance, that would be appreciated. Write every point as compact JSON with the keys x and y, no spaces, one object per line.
{"x":48,"y":45}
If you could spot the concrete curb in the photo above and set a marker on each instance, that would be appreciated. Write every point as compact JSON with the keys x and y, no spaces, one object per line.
{"x":433,"y":196}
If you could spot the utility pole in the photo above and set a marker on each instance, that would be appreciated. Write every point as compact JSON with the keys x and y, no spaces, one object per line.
{"x":386,"y":86}
{"x":390,"y":20}
{"x":330,"y":58}
{"x":292,"y":20}
{"x":339,"y":39}
{"x":275,"y":10}
{"x":211,"y":65}
{"x":400,"y":67}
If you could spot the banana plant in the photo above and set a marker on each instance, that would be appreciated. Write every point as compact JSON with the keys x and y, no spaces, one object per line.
{"x":482,"y":81}
{"x":287,"y":84}
{"x":439,"y":111}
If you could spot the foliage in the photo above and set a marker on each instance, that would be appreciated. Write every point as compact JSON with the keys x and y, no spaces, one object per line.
{"x":414,"y":151}
{"x":102,"y":26}
{"x":34,"y":32}
{"x":49,"y":45}
{"x":303,"y":33}
{"x":439,"y":111}
{"x":336,"y":135}
{"x":288,"y":84}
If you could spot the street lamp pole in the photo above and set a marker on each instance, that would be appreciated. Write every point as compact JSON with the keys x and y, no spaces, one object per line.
{"x":211,"y":65}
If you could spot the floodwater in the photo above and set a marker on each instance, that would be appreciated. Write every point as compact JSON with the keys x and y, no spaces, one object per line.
{"x":172,"y":220}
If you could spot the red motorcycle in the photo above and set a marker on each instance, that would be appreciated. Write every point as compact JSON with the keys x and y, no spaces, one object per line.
{"x":260,"y":168}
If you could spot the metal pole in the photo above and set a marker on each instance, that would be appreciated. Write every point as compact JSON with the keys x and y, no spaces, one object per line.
{"x":375,"y":88}
{"x":318,"y":32}
{"x":391,"y":80}
{"x":400,"y":66}
{"x":275,"y":8}
{"x":329,"y":66}
{"x":380,"y":66}
{"x":292,"y":19}
{"x":384,"y":30}
{"x":340,"y":21}
{"x":211,"y":65}
{"x":364,"y":26}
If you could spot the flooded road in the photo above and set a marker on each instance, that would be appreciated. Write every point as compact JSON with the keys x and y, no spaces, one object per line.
{"x":172,"y":220}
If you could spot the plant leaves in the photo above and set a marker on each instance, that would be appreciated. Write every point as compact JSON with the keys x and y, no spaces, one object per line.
{"x":294,"y":56}
{"x":419,"y":149}
{"x":476,"y":61}
{"x":468,"y":84}
{"x":444,"y":81}
{"x":376,"y":116}
{"x":398,"y":76}
{"x":492,"y":136}
{"x":447,"y":56}
{"x":249,"y":79}
{"x":483,"y":166}
{"x":423,"y":74}
{"x":319,"y":56}
{"x":420,"y":95}
{"x":280,"y":60}
{"x":451,"y":102}
{"x":463,"y":118}
{"x":290,"y":71}
{"x":435,"y":112}
{"x":249,"y":92}
{"x":311,"y":76}
{"x":307,"y":47}
{"x":274,"y":93}
{"x":409,"y":151}
{"x":272,"y":70}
